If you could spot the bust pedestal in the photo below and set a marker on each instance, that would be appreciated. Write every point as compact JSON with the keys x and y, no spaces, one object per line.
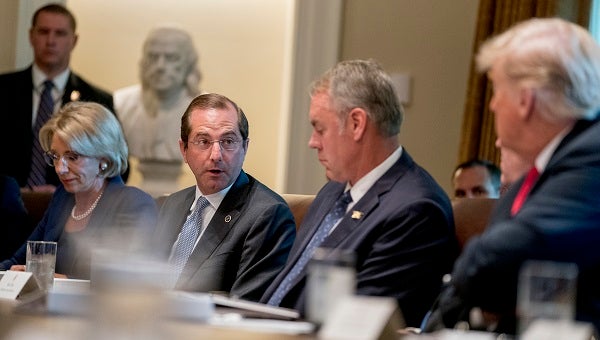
{"x":159,"y":177}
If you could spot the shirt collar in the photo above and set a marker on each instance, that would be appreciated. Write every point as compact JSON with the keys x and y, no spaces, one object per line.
{"x":60,"y":81}
{"x":360,"y":188}
{"x":214,"y":199}
{"x":541,"y":161}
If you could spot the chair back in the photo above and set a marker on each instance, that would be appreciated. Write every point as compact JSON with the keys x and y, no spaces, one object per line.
{"x":298,"y":205}
{"x":471,"y":216}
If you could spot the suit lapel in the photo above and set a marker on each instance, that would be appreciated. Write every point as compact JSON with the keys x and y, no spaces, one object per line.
{"x":70,"y":88}
{"x":367,"y":204}
{"x":25,"y":104}
{"x":219,"y":226}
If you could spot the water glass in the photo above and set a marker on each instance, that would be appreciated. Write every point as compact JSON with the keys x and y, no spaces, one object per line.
{"x":41,"y":261}
{"x":547,"y":290}
{"x":331,"y":277}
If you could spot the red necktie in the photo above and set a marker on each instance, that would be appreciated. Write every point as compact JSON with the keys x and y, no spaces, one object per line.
{"x":532,"y":176}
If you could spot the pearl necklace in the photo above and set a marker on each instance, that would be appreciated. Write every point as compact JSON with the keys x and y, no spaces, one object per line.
{"x":87,"y":212}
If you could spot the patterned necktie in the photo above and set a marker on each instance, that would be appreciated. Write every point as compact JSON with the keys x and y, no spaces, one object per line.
{"x":338,"y":211}
{"x":188,"y":236}
{"x":532,"y":176}
{"x":37,"y":175}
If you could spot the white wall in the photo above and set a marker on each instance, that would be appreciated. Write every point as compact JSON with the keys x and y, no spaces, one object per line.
{"x":432,"y":41}
{"x":257,"y":53}
{"x":241,"y":55}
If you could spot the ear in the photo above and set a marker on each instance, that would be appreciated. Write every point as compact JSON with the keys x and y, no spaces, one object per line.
{"x":357,"y":122}
{"x":183,"y":150}
{"x":526,"y":103}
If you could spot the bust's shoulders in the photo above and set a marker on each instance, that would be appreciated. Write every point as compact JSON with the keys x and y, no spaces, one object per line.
{"x":127,"y":93}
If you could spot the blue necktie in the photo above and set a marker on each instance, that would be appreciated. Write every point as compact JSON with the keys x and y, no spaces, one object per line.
{"x":37,"y":175}
{"x":188,"y":236}
{"x":338,"y":211}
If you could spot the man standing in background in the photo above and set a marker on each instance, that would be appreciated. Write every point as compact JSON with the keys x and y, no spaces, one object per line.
{"x":30,"y":96}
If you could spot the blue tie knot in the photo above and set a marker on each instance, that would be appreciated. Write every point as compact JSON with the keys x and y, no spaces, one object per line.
{"x":48,"y":84}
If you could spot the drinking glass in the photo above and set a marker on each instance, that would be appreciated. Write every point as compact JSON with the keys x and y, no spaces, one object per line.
{"x":547,"y":290}
{"x":41,"y":261}
{"x":331,"y":277}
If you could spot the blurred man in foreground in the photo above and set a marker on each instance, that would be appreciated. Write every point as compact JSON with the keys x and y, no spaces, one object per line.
{"x":546,"y":75}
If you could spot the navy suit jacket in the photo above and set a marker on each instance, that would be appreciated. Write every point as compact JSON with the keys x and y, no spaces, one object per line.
{"x":13,"y":214}
{"x":123,"y":220}
{"x":245,"y":244}
{"x":404,"y":240}
{"x":15,"y":119}
{"x":559,"y":221}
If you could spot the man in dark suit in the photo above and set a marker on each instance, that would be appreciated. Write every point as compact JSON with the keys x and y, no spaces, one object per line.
{"x":546,"y":75}
{"x":399,"y":224}
{"x":13,"y":214}
{"x":52,"y":36}
{"x":239,"y":232}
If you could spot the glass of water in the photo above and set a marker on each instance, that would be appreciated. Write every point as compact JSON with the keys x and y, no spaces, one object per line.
{"x":547,"y":290}
{"x":41,"y":261}
{"x":331,"y":277}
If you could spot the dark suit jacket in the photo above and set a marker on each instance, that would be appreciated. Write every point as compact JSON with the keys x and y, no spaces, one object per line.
{"x":559,"y":221}
{"x":15,"y":221}
{"x":124,"y":217}
{"x":404,"y":241}
{"x":244,"y":246}
{"x":15,"y":119}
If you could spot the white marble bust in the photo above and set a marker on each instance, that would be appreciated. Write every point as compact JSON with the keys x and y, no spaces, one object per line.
{"x":150,"y":112}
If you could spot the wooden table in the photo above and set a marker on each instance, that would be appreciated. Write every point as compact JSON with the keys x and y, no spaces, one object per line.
{"x":19,"y":325}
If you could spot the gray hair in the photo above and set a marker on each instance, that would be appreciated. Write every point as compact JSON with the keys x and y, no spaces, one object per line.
{"x":89,"y":129}
{"x":558,"y":59}
{"x":364,"y":84}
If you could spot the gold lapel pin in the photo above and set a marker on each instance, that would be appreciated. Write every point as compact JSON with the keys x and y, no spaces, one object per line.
{"x":227,"y":218}
{"x":357,"y":215}
{"x":75,"y":96}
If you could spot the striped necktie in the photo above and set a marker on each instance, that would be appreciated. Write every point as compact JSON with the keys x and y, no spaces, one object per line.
{"x":332,"y":218}
{"x":188,"y":236}
{"x":37,"y":174}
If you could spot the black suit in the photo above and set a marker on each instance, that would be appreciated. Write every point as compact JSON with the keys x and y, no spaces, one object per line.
{"x":15,"y":221}
{"x":402,"y":232}
{"x":244,"y":247}
{"x":15,"y":119}
{"x":559,"y":221}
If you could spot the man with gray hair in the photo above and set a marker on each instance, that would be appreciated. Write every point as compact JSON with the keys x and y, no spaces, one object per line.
{"x":546,"y":75}
{"x":379,"y":204}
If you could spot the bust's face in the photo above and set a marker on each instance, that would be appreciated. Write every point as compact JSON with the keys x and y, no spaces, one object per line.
{"x":164,"y":64}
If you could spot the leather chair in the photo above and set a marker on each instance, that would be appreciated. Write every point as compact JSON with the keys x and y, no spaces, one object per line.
{"x":471,"y":216}
{"x":299,"y":205}
{"x":36,"y":204}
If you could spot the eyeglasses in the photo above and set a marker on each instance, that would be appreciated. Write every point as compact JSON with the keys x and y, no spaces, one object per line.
{"x":70,"y":157}
{"x":228,"y":144}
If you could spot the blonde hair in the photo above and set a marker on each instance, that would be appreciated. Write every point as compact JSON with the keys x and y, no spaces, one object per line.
{"x":89,"y":129}
{"x":559,"y":59}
